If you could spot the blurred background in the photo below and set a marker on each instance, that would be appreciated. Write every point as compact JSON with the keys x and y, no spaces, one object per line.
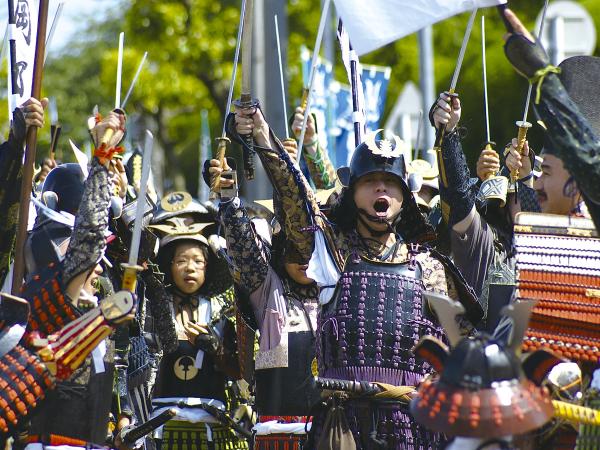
{"x":182,"y":91}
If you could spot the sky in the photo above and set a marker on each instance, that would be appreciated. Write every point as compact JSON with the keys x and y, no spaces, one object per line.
{"x":73,"y":18}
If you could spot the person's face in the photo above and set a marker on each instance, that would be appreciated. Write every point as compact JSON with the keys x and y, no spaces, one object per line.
{"x":297,"y":272}
{"x":380,"y":195}
{"x":550,"y":187}
{"x":91,"y":281}
{"x":188,"y":267}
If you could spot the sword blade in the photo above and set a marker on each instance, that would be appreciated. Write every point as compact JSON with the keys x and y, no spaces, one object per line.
{"x":119,"y":71}
{"x":57,"y":14}
{"x":313,"y":69}
{"x":463,"y":48}
{"x":247,"y":49}
{"x":287,"y":132}
{"x":485,"y":90}
{"x":141,"y":200}
{"x":539,"y":36}
{"x":135,"y":78}
{"x":235,"y":63}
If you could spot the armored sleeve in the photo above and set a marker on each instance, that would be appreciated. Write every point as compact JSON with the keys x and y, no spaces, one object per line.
{"x":573,"y":140}
{"x":299,"y":206}
{"x":87,"y":241}
{"x":320,"y":168}
{"x":11,"y":164}
{"x":248,"y":253}
{"x":456,"y":190}
{"x":162,"y":320}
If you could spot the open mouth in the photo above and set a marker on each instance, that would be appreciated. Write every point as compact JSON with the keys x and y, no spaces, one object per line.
{"x":381,"y":206}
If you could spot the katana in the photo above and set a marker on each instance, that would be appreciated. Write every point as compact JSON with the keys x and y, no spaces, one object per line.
{"x":313,"y":69}
{"x":132,"y":267}
{"x":439,"y":135}
{"x":135,"y":78}
{"x":246,"y":101}
{"x":223,"y":140}
{"x":523,"y":125}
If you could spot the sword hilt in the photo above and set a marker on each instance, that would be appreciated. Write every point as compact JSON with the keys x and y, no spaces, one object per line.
{"x":145,"y":428}
{"x":333,"y":384}
{"x":130,"y":272}
{"x":221,"y":149}
{"x":246,"y":101}
{"x":490,"y":146}
{"x":54,"y":135}
{"x":304,"y":100}
{"x":523,"y":127}
{"x":439,"y":139}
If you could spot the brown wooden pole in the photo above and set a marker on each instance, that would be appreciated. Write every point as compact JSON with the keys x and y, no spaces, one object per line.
{"x":26,"y":183}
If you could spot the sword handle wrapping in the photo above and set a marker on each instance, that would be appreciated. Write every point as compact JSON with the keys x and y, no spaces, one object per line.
{"x":146,"y":428}
{"x":304,"y":100}
{"x":130,"y":272}
{"x":521,"y":138}
{"x":439,"y":139}
{"x":249,"y":156}
{"x":221,"y":149}
{"x":54,"y":136}
{"x":246,"y":101}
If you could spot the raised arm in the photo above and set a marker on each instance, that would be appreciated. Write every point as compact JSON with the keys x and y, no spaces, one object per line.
{"x":88,"y":242}
{"x":299,"y":208}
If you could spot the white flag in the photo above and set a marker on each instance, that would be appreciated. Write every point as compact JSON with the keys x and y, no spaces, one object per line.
{"x":22,"y":34}
{"x":374,"y":23}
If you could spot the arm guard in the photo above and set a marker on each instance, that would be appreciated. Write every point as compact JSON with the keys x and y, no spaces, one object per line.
{"x":320,"y":168}
{"x":87,"y":241}
{"x":246,"y":250}
{"x":456,"y":187}
{"x":11,"y":163}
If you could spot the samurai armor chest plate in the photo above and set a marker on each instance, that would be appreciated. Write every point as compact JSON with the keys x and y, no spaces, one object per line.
{"x":558,"y":264}
{"x":375,"y":318}
{"x":179,"y":375}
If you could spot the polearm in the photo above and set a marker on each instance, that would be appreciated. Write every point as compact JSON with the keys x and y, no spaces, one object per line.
{"x":522,"y":125}
{"x":204,"y":152}
{"x":313,"y":69}
{"x":132,"y":268}
{"x":439,"y":135}
{"x":246,"y":101}
{"x":223,"y":140}
{"x":27,"y":180}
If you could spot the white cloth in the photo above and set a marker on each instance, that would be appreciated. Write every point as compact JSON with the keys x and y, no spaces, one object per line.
{"x":322,"y":269}
{"x":274,"y":427}
{"x":375,"y":23}
{"x":38,"y":446}
{"x":98,"y":357}
{"x":189,"y":414}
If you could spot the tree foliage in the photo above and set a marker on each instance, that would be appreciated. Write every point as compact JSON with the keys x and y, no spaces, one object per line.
{"x":190,"y":45}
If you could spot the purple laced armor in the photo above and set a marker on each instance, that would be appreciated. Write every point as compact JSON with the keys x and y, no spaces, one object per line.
{"x":366,"y":333}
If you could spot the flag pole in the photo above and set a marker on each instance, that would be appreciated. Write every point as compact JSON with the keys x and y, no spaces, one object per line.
{"x":26,"y":183}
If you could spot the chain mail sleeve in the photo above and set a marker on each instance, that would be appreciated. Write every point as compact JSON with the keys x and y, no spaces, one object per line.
{"x":87,"y":240}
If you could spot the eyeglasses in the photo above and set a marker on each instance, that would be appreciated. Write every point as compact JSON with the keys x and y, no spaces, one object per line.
{"x":182,"y":263}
